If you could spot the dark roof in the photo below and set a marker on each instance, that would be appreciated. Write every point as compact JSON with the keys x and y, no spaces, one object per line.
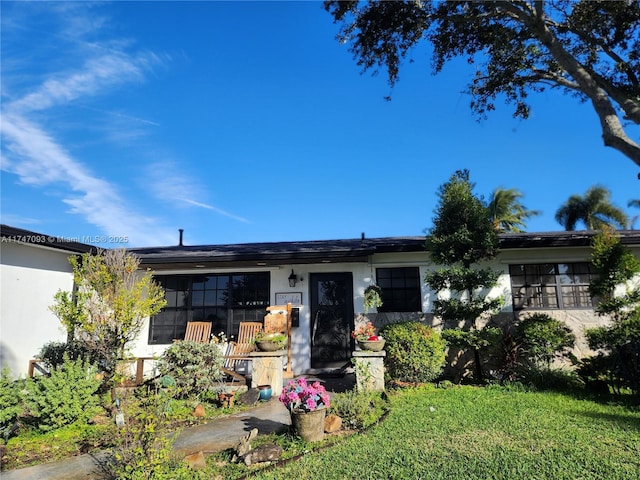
{"x":275,"y":253}
{"x":330,"y":251}
{"x":581,"y":238}
{"x":316,"y":251}
{"x":19,"y":235}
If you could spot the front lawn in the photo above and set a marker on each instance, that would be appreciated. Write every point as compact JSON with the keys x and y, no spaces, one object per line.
{"x":484,"y":433}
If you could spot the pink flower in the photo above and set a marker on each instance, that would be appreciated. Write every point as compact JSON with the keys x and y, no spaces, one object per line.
{"x":304,"y":395}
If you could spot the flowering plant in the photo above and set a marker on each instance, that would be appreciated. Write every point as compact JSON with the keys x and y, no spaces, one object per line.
{"x":301,"y":395}
{"x":364,"y":332}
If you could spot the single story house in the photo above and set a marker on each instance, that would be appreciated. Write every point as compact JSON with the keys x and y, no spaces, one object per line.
{"x":324,"y":280}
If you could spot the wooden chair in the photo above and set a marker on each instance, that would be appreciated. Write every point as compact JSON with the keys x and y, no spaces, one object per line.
{"x":239,"y":350}
{"x":199,"y":332}
{"x":278,"y":319}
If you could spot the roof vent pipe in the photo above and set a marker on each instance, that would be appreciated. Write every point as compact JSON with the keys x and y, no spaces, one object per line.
{"x":181,"y":230}
{"x":362,"y":236}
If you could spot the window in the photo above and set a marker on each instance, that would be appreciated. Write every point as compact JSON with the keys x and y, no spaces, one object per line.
{"x":400,"y":289}
{"x":224,"y":300}
{"x":551,"y":285}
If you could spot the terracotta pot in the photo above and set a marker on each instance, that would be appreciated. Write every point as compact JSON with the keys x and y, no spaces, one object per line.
{"x":309,"y":425}
{"x":371,"y":345}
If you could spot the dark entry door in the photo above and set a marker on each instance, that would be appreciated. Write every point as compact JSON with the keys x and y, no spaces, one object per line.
{"x":331,"y":319}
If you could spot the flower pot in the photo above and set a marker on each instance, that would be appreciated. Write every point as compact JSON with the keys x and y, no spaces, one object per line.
{"x":371,"y":345}
{"x":265,"y":392}
{"x":309,"y":425}
{"x":269,"y":346}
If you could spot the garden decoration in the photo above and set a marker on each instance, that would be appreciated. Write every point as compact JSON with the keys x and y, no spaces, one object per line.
{"x":270,"y":342}
{"x":265,"y":392}
{"x":367,"y":338}
{"x":307,"y":403}
{"x":372,"y":297}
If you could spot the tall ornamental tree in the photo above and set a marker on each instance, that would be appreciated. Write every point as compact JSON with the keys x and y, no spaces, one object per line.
{"x":108,"y":308}
{"x":619,"y":299}
{"x":587,"y":49}
{"x":507,"y":212}
{"x":462,"y":237}
{"x":594,"y":210}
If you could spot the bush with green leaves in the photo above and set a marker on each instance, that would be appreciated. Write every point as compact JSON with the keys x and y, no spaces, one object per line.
{"x":53,"y":353}
{"x":144,"y":446}
{"x":358,"y":410}
{"x":195,"y":367}
{"x":67,"y":395}
{"x":543,"y":338}
{"x":10,"y":403}
{"x":549,"y":378}
{"x":415,"y":352}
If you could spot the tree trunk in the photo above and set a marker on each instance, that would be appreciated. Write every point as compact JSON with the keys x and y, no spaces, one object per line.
{"x":476,"y":358}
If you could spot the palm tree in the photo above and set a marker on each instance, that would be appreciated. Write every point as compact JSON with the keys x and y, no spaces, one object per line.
{"x":595,"y":210}
{"x":633,"y":203}
{"x":507,"y":213}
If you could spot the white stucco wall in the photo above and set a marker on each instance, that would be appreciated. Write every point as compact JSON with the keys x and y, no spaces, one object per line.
{"x":30,"y":276}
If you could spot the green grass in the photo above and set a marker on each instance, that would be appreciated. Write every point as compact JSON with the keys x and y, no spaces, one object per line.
{"x":484,"y":433}
{"x":456,"y":433}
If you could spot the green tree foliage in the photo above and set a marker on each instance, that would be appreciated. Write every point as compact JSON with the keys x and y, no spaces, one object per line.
{"x":587,"y":49}
{"x":594,"y":210}
{"x":619,"y":299}
{"x":463,"y":235}
{"x":109,"y":307}
{"x":415,"y":352}
{"x":507,"y":212}
{"x":67,"y":395}
{"x":636,"y":204}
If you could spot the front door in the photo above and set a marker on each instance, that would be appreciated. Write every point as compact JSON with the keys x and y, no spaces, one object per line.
{"x":331,"y":319}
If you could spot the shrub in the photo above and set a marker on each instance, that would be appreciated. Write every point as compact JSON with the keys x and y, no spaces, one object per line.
{"x":543,"y":338}
{"x":144,"y":447}
{"x":358,"y":410}
{"x":195,"y":367}
{"x":415,"y":352}
{"x":66,"y":396}
{"x":53,"y":353}
{"x":547,"y":378}
{"x":10,"y":405}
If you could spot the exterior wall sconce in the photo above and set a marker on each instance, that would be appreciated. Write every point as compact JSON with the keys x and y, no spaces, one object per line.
{"x":292,"y":279}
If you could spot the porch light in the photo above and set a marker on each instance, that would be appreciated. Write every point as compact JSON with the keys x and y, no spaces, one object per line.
{"x":292,"y":279}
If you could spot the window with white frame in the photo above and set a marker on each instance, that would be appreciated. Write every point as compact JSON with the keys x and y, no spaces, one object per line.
{"x":551,"y":285}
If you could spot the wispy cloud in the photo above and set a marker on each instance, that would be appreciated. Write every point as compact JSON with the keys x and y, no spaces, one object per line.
{"x":181,"y":188}
{"x":40,"y":159}
{"x":96,"y":75}
{"x":215,"y":209}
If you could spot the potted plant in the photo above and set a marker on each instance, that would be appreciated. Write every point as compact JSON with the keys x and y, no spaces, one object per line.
{"x":367,"y":338}
{"x":307,"y":403}
{"x":372,"y":297}
{"x":270,"y":341}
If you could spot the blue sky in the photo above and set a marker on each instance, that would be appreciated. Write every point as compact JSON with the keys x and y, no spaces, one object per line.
{"x":248,"y":122}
